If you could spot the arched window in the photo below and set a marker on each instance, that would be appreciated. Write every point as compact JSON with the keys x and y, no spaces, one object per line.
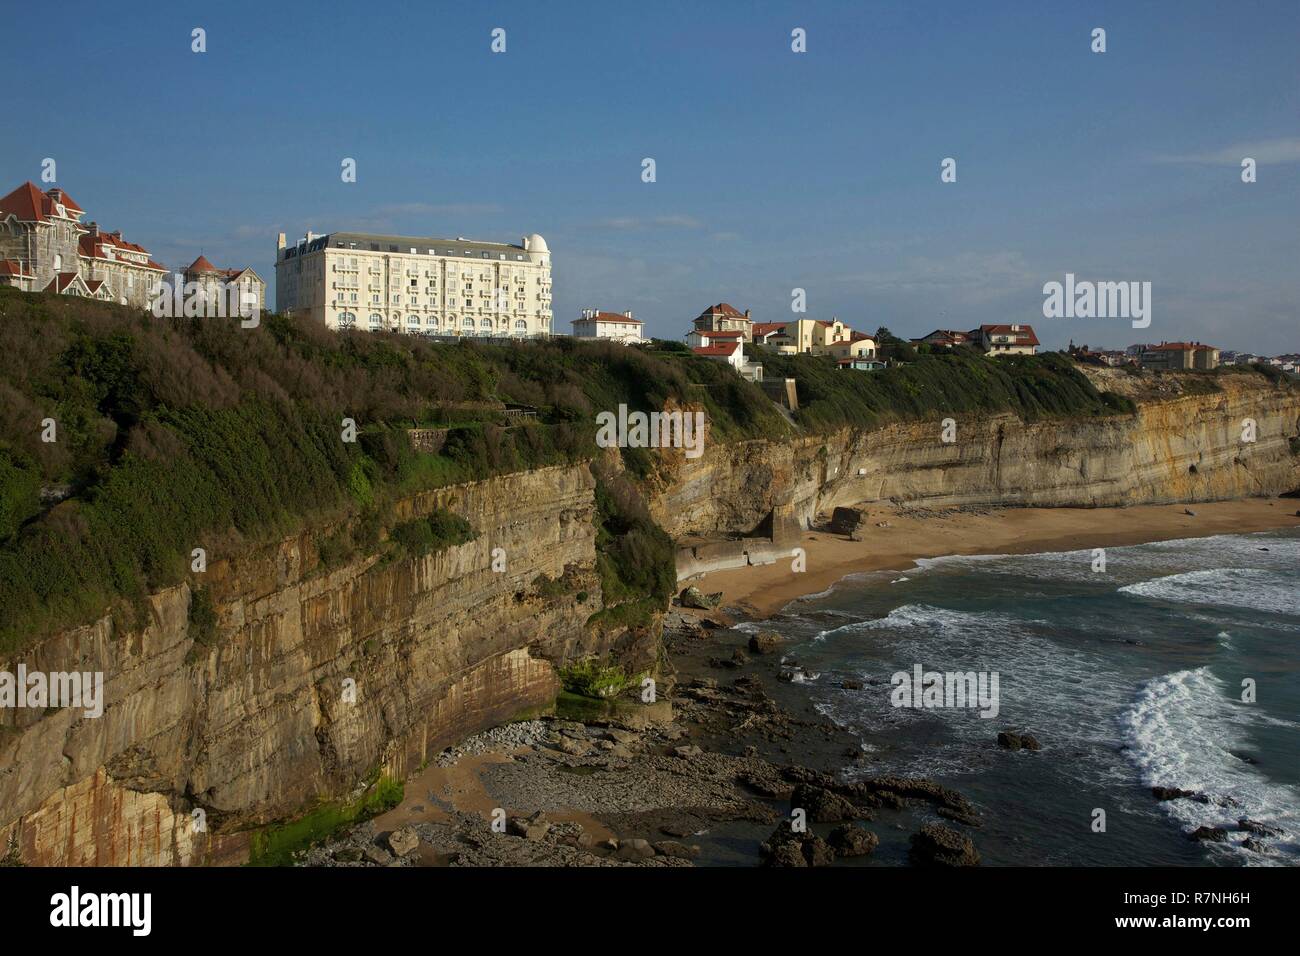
{"x":468,"y":324}
{"x":486,"y":325}
{"x":433,"y":324}
{"x":347,"y":320}
{"x":521,"y":327}
{"x":376,"y":320}
{"x":413,"y":320}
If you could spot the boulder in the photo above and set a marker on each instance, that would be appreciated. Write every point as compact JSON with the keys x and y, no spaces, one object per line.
{"x":766,"y":642}
{"x":693,"y":597}
{"x":787,"y":848}
{"x":824,"y":806}
{"x":1257,"y":828}
{"x":377,"y":855}
{"x":937,"y":845}
{"x":848,"y":521}
{"x":848,"y":840}
{"x":1016,"y":741}
{"x":403,"y":840}
{"x":678,"y":851}
{"x":1210,"y":834}
{"x":634,"y":850}
{"x":532,"y":828}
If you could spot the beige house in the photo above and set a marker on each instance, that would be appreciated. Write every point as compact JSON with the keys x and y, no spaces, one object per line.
{"x":420,"y":285}
{"x":724,"y":318}
{"x":615,"y":326}
{"x":814,"y":337}
{"x":44,"y":244}
{"x":1180,"y":355}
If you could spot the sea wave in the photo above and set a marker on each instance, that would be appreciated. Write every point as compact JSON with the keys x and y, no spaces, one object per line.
{"x":1182,"y":730}
{"x":1249,"y":588}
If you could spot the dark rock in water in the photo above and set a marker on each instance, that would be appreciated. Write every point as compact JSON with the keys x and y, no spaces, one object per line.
{"x":938,"y":845}
{"x":766,"y":642}
{"x":824,"y":806}
{"x":678,"y":851}
{"x":1255,"y":846}
{"x":1244,"y":758}
{"x":1257,"y":828}
{"x":1173,"y":793}
{"x":1189,"y":511}
{"x":1211,"y":834}
{"x":693,"y":597}
{"x":848,"y":840}
{"x":1015,"y":741}
{"x":851,"y":684}
{"x":787,"y":848}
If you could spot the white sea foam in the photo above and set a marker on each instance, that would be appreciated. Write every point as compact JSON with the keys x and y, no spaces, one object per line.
{"x":1251,"y":588}
{"x":1181,"y":730}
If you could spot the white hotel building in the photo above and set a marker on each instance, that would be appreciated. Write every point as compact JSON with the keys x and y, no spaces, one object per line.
{"x":417,"y":285}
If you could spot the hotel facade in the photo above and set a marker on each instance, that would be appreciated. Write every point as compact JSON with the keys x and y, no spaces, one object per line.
{"x":417,"y":285}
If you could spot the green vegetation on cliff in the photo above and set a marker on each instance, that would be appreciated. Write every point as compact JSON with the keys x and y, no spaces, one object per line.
{"x":168,"y":435}
{"x":951,"y":381}
{"x":127,"y":441}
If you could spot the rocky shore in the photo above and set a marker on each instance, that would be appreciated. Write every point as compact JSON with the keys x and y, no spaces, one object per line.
{"x":723,"y":769}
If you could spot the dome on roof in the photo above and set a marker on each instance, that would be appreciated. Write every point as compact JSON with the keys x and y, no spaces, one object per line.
{"x":202,"y":265}
{"x":536,"y":243}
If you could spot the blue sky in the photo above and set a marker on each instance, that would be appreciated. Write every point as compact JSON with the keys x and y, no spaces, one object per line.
{"x":775,"y":170}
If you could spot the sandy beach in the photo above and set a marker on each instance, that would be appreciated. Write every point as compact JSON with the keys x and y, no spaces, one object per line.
{"x":895,"y":538}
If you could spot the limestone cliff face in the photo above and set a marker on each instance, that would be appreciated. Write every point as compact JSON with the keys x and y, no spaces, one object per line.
{"x":1178,"y":447}
{"x":259,"y":723}
{"x":316,"y":676}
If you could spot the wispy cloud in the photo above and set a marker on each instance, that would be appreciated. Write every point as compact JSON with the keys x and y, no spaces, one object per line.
{"x":639,"y":224}
{"x":978,"y":276}
{"x":1263,"y":151}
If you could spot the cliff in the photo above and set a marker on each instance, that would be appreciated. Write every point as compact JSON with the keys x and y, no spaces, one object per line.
{"x":255,"y":722}
{"x":744,"y":502}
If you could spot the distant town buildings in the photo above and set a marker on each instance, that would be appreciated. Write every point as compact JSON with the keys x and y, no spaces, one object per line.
{"x":45,"y":247}
{"x":615,"y":326}
{"x":459,"y":287}
{"x":212,"y":282}
{"x":1180,"y":355}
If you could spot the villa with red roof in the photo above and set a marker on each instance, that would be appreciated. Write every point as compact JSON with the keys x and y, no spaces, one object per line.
{"x":1004,"y":339}
{"x":46,"y":247}
{"x":213,"y":282}
{"x":724,"y":318}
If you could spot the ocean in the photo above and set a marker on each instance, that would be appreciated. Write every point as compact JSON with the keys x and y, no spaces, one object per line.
{"x":1130,"y":678}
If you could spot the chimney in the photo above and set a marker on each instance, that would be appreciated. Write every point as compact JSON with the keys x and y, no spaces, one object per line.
{"x":747,"y":313}
{"x":279,"y":241}
{"x":628,"y":313}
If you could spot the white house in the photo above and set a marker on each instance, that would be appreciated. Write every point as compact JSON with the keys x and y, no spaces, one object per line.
{"x":619,"y":326}
{"x":732,"y":351}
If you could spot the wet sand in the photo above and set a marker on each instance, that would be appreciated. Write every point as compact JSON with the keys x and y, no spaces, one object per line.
{"x":764,"y":590}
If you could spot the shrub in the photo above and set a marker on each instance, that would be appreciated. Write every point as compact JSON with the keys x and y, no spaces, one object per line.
{"x":439,"y":531}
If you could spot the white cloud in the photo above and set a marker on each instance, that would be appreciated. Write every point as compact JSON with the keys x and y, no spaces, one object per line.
{"x":1264,"y":151}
